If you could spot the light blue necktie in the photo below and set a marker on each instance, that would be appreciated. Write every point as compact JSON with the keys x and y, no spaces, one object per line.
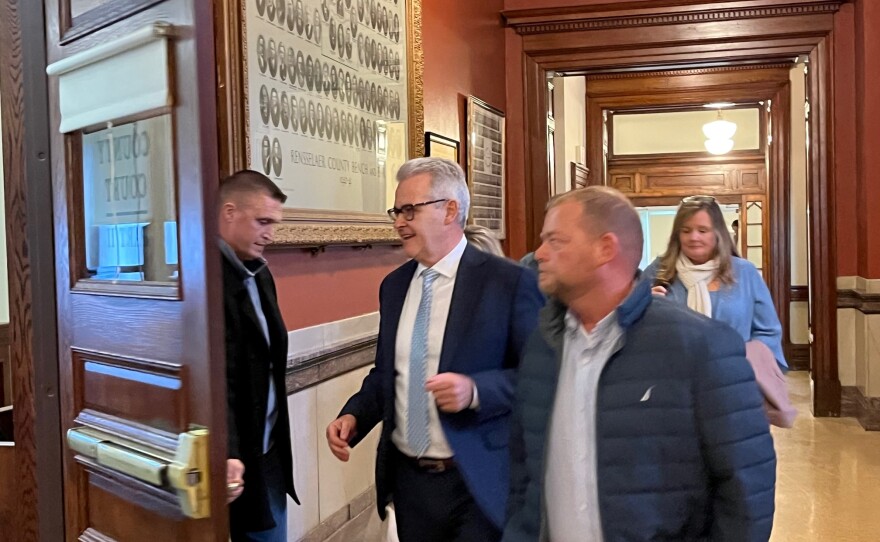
{"x":417,"y":436}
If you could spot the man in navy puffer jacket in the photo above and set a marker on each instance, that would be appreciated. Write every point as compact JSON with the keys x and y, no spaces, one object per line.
{"x":635,"y":419}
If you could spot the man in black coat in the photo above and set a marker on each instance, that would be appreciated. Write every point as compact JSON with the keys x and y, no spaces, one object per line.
{"x":259,"y":465}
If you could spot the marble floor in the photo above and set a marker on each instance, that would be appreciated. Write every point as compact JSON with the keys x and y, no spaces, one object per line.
{"x":828,"y":476}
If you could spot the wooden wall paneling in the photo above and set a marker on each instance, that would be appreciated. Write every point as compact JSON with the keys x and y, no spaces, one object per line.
{"x":676,"y":81}
{"x":820,"y":199}
{"x":7,"y":486}
{"x":37,"y":486}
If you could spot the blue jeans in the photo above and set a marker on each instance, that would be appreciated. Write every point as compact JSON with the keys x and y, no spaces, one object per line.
{"x":277,"y":503}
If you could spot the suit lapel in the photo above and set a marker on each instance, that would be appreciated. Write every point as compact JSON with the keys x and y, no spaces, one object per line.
{"x":274,"y":321}
{"x":242,"y":298}
{"x":466,"y":294}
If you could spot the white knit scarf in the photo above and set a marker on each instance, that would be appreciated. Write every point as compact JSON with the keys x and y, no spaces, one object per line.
{"x":696,"y":279}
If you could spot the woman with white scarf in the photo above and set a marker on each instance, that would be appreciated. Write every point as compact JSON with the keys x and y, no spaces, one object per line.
{"x":700,"y":269}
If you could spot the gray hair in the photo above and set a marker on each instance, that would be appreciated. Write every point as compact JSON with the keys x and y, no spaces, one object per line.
{"x":484,"y":239}
{"x":447,"y":181}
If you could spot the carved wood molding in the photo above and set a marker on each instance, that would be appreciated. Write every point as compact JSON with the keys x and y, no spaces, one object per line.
{"x":601,"y":17}
{"x":290,"y":235}
{"x":694,"y":71}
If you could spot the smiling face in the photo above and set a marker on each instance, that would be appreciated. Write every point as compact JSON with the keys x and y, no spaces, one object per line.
{"x":697,"y":237}
{"x":425,"y":237}
{"x":247,"y":224}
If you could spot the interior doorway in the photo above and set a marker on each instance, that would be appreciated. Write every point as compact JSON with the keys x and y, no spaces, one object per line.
{"x":617,"y":42}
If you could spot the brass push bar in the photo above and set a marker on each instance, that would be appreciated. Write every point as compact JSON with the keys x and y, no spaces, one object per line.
{"x":186,"y":473}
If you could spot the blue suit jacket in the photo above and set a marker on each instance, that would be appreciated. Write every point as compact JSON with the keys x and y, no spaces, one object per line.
{"x":494,"y":309}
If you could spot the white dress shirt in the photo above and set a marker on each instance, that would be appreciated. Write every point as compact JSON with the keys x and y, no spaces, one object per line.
{"x":444,"y":284}
{"x":571,"y":495}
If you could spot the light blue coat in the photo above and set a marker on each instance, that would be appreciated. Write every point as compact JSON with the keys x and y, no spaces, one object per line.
{"x":745,"y":305}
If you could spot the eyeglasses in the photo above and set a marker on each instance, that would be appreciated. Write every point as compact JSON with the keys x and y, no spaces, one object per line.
{"x":698,"y":199}
{"x":409,"y":210}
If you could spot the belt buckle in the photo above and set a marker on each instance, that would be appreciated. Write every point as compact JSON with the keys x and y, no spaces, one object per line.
{"x":432,"y":466}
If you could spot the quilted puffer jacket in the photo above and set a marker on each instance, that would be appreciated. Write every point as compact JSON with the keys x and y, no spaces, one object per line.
{"x":693,"y":462}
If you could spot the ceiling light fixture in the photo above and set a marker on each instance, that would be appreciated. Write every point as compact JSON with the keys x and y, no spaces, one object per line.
{"x":719,"y":134}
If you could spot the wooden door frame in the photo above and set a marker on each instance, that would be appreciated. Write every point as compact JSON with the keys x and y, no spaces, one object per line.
{"x":681,"y":34}
{"x":30,"y":262}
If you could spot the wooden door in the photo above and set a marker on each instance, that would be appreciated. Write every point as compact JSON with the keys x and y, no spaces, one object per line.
{"x":141,"y":372}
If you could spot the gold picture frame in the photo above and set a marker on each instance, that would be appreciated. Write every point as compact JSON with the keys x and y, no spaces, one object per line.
{"x":395,"y":142}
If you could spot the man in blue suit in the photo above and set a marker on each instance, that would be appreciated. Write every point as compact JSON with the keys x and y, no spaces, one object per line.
{"x":454,"y":321}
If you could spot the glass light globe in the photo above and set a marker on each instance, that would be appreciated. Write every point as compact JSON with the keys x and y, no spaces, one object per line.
{"x":719,"y":146}
{"x":719,"y":129}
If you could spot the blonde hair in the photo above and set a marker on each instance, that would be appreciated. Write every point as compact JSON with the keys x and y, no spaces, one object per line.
{"x":724,"y":249}
{"x":484,"y":239}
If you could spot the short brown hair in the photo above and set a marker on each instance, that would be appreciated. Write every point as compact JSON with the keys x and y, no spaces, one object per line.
{"x":248,"y":181}
{"x":607,"y":210}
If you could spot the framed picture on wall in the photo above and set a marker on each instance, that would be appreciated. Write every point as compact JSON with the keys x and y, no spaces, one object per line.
{"x":441,"y":147}
{"x":485,"y":160}
{"x":329,"y":106}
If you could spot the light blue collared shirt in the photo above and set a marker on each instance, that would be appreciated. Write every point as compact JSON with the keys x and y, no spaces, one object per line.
{"x":570,"y":490}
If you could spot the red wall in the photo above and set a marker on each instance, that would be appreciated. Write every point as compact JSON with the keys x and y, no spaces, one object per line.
{"x":340,"y":283}
{"x":867,"y":39}
{"x":463,"y":45}
{"x":845,"y":142}
{"x":516,"y":146}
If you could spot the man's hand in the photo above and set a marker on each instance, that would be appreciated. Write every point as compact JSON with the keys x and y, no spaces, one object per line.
{"x":658,"y":290}
{"x":339,"y":434}
{"x":453,"y":392}
{"x":234,"y":479}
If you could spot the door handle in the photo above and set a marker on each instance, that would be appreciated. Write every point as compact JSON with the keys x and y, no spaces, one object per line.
{"x":185,"y":473}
